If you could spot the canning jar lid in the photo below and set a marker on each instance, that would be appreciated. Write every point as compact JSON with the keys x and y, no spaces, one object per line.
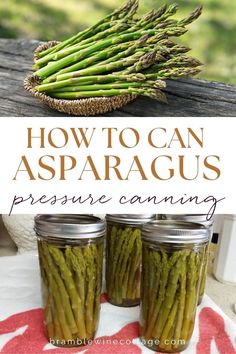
{"x":74,"y":226}
{"x":134,"y":219}
{"x":171,"y":231}
{"x":198,"y":218}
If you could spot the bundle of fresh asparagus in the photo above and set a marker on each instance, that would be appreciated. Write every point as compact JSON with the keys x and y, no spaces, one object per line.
{"x":71,"y":279}
{"x":123,"y":267}
{"x":169,"y":297}
{"x":121,"y":54}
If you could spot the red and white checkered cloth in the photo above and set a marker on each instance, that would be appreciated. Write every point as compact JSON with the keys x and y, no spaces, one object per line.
{"x":21,"y":318}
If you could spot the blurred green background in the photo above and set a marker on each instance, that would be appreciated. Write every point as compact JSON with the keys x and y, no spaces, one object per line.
{"x":212,"y":37}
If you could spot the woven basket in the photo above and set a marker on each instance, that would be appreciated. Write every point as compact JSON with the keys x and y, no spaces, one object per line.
{"x":79,"y":107}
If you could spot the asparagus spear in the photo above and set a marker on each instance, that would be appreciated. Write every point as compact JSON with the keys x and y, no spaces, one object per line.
{"x":149,"y":326}
{"x":168,"y":347}
{"x":112,"y":240}
{"x":137,"y":280}
{"x":173,"y":73}
{"x":47,"y":298}
{"x":75,"y":260}
{"x":87,"y":80}
{"x":160,"y":16}
{"x":170,"y":11}
{"x":49,"y":320}
{"x":118,"y":85}
{"x":131,"y":247}
{"x":126,"y":277}
{"x":144,"y":21}
{"x":169,"y":323}
{"x":57,"y":325}
{"x":125,"y":11}
{"x":191,"y":17}
{"x":146,"y":260}
{"x":144,"y":62}
{"x":120,"y":240}
{"x":126,"y":248}
{"x":152,"y":93}
{"x":154,"y":275}
{"x":135,"y":267}
{"x":88,"y":253}
{"x":110,"y":249}
{"x":177,"y":61}
{"x":61,"y":315}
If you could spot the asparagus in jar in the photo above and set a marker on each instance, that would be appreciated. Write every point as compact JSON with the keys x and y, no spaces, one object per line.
{"x":123,"y":265}
{"x":168,"y":307}
{"x":71,"y":277}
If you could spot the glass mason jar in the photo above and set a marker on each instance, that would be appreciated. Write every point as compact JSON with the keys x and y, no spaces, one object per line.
{"x":201,"y":219}
{"x":171,"y":267}
{"x":123,"y":257}
{"x":71,"y":256}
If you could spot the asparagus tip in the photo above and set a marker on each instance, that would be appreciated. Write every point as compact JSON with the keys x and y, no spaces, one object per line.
{"x":192,"y":16}
{"x":161,"y":10}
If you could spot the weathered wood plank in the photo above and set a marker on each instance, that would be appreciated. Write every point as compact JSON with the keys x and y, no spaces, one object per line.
{"x":185,"y":97}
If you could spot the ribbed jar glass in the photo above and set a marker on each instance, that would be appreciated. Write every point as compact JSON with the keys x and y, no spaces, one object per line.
{"x":71,"y":257}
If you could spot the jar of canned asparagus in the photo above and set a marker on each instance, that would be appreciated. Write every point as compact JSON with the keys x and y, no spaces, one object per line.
{"x":71,"y":256}
{"x":171,"y":267}
{"x":201,"y":219}
{"x":123,"y":257}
